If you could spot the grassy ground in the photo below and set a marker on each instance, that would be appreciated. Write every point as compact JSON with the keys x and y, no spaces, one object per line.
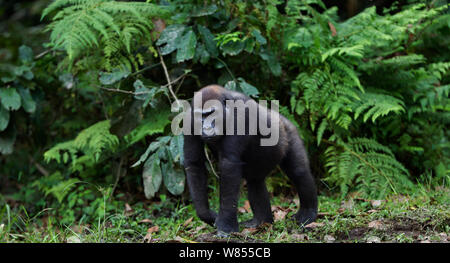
{"x":422,"y":217}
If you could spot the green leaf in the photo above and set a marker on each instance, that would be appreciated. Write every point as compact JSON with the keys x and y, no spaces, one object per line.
{"x":152,"y":176}
{"x":10,"y":98}
{"x":299,"y":38}
{"x":204,"y":11}
{"x":272,"y":61}
{"x":67,"y":80}
{"x":176,"y":148}
{"x":208,"y":39}
{"x":4,"y":118}
{"x":25,"y":54}
{"x":169,"y":37}
{"x":153,"y":146}
{"x":201,"y":54}
{"x":108,"y":78}
{"x":152,"y":125}
{"x":28,"y":104}
{"x":323,"y":125}
{"x":174,"y":178}
{"x":7,"y":139}
{"x":186,"y":46}
{"x":248,"y":89}
{"x":139,"y":87}
{"x":231,"y":85}
{"x":62,"y":189}
{"x":257,"y":34}
{"x":233,"y":48}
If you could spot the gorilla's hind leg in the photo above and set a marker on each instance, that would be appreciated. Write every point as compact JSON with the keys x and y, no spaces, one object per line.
{"x":259,"y":202}
{"x":296,"y":165}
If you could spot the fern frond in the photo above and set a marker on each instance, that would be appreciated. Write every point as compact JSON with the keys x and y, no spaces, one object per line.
{"x":376,"y":105}
{"x":368,"y":166}
{"x":90,"y":144}
{"x":79,"y":25}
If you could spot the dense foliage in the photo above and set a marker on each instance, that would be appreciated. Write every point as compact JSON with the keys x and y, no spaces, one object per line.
{"x":85,"y":110}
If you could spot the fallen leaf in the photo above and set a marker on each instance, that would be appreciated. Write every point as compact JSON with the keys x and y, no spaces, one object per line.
{"x":187,"y":222}
{"x":146,"y":220}
{"x":249,"y":231}
{"x":148,"y":236}
{"x":245,"y":208}
{"x":373,"y":239}
{"x":73,"y":239}
{"x":376,"y":224}
{"x":280,"y":215}
{"x":329,"y":238}
{"x":314,"y":225}
{"x":275,"y":207}
{"x":128,"y":210}
{"x":76,"y":228}
{"x":197,"y":229}
{"x":265,"y":227}
{"x":153,"y":229}
{"x":376,"y":203}
{"x":300,"y":237}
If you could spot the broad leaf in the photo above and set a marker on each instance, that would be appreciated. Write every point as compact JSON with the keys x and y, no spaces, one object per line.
{"x":176,"y":148}
{"x":186,"y":46}
{"x":108,"y":78}
{"x":233,"y":48}
{"x":248,"y":89}
{"x":208,"y":39}
{"x":28,"y":104}
{"x":204,"y":10}
{"x":25,"y":54}
{"x":10,"y":98}
{"x":257,"y":34}
{"x":152,"y":176}
{"x":168,"y":38}
{"x":174,"y":178}
{"x":7,"y":139}
{"x":4,"y":118}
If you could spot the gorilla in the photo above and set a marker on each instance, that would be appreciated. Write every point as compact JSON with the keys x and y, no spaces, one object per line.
{"x":241,"y":154}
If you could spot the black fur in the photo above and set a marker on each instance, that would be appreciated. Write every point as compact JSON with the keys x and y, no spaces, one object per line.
{"x":242,"y":157}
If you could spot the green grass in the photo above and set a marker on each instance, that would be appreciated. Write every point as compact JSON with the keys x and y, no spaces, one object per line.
{"x":421,"y":217}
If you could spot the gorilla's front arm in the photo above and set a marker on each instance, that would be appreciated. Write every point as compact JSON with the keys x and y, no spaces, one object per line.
{"x":230,"y":168}
{"x":194,"y":162}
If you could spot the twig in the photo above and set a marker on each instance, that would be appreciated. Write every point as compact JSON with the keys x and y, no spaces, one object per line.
{"x":39,"y":167}
{"x":145,"y":68}
{"x":228,"y":69}
{"x":168,"y":77}
{"x":210,"y":163}
{"x":38,"y":56}
{"x":118,"y":175}
{"x":142,"y":92}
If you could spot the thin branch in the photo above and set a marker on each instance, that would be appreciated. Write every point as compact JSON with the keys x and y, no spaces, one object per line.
{"x":145,"y":68}
{"x":168,"y":77}
{"x":38,"y":56}
{"x":210,"y":163}
{"x":143,"y":92}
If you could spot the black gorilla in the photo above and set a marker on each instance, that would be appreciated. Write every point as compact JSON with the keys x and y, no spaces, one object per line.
{"x":242,"y":156}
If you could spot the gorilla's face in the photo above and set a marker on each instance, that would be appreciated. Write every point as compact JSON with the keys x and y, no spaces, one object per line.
{"x":211,"y":116}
